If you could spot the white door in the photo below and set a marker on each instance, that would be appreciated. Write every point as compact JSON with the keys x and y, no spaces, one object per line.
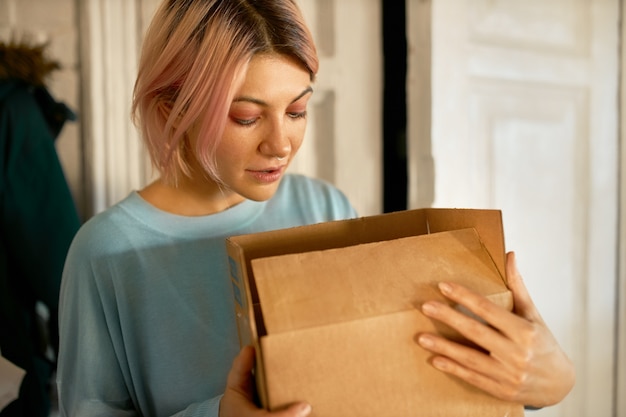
{"x":343,"y":142}
{"x":524,"y":119}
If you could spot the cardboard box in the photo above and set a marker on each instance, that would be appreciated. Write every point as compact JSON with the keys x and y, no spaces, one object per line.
{"x":333,"y":310}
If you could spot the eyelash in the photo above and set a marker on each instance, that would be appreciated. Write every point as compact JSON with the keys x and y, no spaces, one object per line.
{"x":298,"y":115}
{"x":250,"y":122}
{"x":245,"y":122}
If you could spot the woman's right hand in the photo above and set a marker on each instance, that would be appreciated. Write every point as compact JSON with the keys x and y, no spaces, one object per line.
{"x":238,"y":398}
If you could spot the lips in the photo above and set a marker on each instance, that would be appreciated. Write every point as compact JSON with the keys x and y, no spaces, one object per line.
{"x":267,"y":175}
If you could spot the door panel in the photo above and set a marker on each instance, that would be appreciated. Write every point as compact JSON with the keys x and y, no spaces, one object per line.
{"x":343,"y":142}
{"x":524,"y":105}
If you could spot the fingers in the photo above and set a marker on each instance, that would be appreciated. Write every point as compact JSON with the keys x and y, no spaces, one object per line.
{"x":240,"y":375}
{"x":244,"y":362}
{"x":474,"y":362}
{"x":488,"y":383}
{"x":472,"y":329}
{"x":500,"y":333}
{"x":295,"y":410}
{"x":491,"y":369}
{"x":238,"y":397}
{"x":513,"y":326}
{"x":498,"y":346}
{"x":521,"y":360}
{"x":498,"y":318}
{"x":524,"y":305}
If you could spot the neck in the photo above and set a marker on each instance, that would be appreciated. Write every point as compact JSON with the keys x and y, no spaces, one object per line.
{"x":190,"y":197}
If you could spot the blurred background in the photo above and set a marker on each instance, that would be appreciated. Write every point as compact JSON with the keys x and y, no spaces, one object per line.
{"x":515,"y":105}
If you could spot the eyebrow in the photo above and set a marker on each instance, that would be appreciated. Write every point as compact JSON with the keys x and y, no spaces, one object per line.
{"x":306,"y":91}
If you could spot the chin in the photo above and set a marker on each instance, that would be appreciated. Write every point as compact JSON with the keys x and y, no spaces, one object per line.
{"x":260,"y":193}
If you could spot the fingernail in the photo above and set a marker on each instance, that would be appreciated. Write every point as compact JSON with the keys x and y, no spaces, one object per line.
{"x":425,"y":341}
{"x":305,"y":410}
{"x":440,"y":364}
{"x":429,"y":308}
{"x":445,"y":288}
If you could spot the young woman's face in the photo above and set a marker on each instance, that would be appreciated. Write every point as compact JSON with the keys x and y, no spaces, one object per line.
{"x":265,"y":126}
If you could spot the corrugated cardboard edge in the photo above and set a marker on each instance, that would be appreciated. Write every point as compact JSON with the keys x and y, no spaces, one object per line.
{"x":488,"y":225}
{"x":245,"y":314}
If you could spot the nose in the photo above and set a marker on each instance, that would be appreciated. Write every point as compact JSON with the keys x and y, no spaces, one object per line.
{"x":276,"y":142}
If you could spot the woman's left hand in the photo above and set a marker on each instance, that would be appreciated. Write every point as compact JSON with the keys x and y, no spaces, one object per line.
{"x":522,"y":361}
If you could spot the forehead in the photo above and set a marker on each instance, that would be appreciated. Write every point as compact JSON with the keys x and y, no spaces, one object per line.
{"x":268,"y":75}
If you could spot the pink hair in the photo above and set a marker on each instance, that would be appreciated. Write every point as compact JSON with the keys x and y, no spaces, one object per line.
{"x":192,"y":53}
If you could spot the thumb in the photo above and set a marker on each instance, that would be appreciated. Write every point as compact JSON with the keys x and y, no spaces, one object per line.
{"x":300,"y":409}
{"x":240,"y":380}
{"x":523,"y":304}
{"x":240,"y":375}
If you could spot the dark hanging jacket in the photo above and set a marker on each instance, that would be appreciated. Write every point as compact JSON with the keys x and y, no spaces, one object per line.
{"x":38,"y":220}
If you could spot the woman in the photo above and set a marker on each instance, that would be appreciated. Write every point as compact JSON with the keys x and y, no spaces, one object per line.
{"x":147,"y":320}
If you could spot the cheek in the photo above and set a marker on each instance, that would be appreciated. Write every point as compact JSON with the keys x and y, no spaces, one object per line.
{"x":297,"y":137}
{"x":228,"y":153}
{"x":235,"y":144}
{"x":228,"y":156}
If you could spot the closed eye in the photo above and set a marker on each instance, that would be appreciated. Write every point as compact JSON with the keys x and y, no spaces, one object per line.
{"x":297,"y":115}
{"x":244,"y":122}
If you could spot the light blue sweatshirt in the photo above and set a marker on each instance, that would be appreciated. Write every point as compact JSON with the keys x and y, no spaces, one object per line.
{"x":146,"y":314}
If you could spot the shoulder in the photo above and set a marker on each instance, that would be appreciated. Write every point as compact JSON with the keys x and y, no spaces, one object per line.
{"x":105,"y":232}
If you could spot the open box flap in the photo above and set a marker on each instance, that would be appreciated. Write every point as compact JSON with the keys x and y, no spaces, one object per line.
{"x":321,"y":287}
{"x":243,"y":249}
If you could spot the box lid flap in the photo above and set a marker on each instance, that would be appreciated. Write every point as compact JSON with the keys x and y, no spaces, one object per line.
{"x":328,"y":286}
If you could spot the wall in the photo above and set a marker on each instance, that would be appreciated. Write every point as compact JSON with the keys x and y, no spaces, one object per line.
{"x":54,"y":21}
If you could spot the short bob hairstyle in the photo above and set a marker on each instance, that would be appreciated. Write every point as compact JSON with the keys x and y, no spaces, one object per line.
{"x":192,"y":53}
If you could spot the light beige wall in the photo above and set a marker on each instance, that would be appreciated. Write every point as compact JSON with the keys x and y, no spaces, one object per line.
{"x":54,"y":21}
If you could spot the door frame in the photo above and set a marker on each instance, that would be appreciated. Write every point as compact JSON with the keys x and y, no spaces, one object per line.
{"x":620,"y":328}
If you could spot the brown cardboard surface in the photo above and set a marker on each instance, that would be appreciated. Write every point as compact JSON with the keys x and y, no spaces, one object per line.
{"x":370,"y":367}
{"x":335,"y":285}
{"x":334,"y":313}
